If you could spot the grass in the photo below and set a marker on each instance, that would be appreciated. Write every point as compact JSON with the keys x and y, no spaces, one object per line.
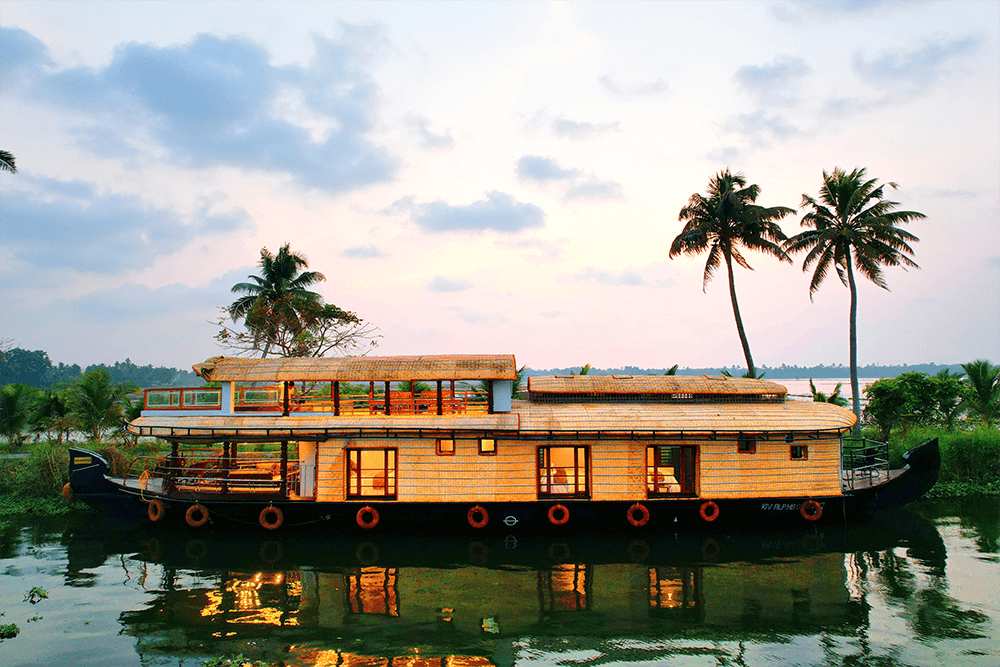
{"x":970,"y":460}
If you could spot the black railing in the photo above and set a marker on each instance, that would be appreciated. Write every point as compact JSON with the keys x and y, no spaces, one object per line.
{"x":864,"y":462}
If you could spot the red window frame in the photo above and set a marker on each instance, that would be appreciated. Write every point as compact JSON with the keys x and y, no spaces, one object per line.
{"x":356,"y":474}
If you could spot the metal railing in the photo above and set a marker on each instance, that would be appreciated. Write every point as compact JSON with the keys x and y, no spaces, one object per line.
{"x":864,"y":462}
{"x":209,"y":471}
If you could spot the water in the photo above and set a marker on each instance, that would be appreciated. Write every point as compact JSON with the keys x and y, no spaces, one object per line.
{"x":919,"y":586}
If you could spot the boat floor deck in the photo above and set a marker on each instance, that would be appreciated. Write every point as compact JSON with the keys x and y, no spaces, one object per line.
{"x":207,"y":490}
{"x":857,"y":481}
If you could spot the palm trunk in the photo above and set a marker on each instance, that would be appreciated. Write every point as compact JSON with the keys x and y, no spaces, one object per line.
{"x":855,"y":398}
{"x":739,"y":320}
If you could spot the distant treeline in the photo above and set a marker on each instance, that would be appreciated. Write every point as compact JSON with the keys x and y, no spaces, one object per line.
{"x":782,"y":372}
{"x":34,"y":368}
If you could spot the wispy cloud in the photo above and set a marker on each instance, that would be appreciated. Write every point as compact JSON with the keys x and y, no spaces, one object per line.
{"x":915,"y":68}
{"x":66,"y":224}
{"x":362,"y":252}
{"x":430,"y":139}
{"x":627,"y":278}
{"x":442,"y":284}
{"x":641,"y":90}
{"x":760,"y":126}
{"x":775,"y":83}
{"x":498,"y":212}
{"x":581,"y":130}
{"x":216,"y":101}
{"x":578,"y":184}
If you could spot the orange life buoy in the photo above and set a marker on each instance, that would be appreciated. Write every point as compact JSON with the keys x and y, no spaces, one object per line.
{"x":67,"y":492}
{"x":560,"y":510}
{"x":271,"y":517}
{"x":811,"y":510}
{"x":709,"y":511}
{"x":643,"y":513}
{"x":484,"y":517}
{"x":367,"y":523}
{"x":196,"y":516}
{"x":156,"y":510}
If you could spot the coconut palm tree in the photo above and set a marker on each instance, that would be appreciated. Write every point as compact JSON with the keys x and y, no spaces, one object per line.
{"x":275,"y":297}
{"x":98,"y":404}
{"x":7,"y":162}
{"x":835,"y":397}
{"x":723,"y":221}
{"x":983,"y":395}
{"x":853,"y":228}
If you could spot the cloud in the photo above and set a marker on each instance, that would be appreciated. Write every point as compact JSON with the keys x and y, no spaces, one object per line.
{"x":66,"y":224}
{"x":401,"y":205}
{"x":537,"y":168}
{"x":468,"y":316}
{"x":773,"y":84}
{"x":643,"y":90}
{"x":498,"y":212}
{"x":915,"y":68}
{"x":362,"y":252}
{"x":760,"y":126}
{"x":218,"y":102}
{"x":579,"y":185}
{"x":797,"y":12}
{"x":430,"y":139}
{"x":442,"y":284}
{"x":580,"y":130}
{"x":626,"y":278}
{"x":594,"y":188}
{"x":724,"y":155}
{"x":132,"y":303}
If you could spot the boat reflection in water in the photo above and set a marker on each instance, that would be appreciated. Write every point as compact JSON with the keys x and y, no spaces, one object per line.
{"x":313,"y":601}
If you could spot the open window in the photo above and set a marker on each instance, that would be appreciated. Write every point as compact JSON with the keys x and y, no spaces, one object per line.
{"x":371,"y":473}
{"x":670,"y":470}
{"x":563,"y":472}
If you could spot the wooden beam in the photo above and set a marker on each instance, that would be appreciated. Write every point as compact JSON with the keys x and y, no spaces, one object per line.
{"x":335,"y":393}
{"x":440,"y":399}
{"x":284,"y":399}
{"x":284,"y":468}
{"x":489,"y":397}
{"x":387,"y":392}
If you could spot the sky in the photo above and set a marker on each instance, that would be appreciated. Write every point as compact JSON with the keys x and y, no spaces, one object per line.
{"x":496,"y":178}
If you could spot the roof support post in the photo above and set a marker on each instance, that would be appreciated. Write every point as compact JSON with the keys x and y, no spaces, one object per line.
{"x":387,"y":398}
{"x":335,"y":395}
{"x":489,"y":396}
{"x":440,"y":399}
{"x":284,"y":399}
{"x":225,"y":467}
{"x":284,"y":468}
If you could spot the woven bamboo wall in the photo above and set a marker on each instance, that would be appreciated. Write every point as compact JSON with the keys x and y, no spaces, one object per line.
{"x":726,"y":473}
{"x":617,"y":470}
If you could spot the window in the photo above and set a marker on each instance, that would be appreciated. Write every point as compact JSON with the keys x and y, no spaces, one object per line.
{"x":371,"y":473}
{"x":746,"y":446}
{"x":562,"y":472}
{"x":800,"y":452}
{"x":487,"y":447}
{"x":670,"y":470}
{"x":446,"y":447}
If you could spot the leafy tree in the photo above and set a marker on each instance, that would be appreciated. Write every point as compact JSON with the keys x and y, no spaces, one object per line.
{"x":584,"y":370}
{"x":912,"y":399}
{"x":983,"y":394}
{"x":853,"y":227}
{"x":98,"y":404}
{"x":672,"y":370}
{"x":279,"y":313}
{"x":7,"y":162}
{"x":721,"y":223}
{"x":22,"y":366}
{"x":51,"y":412}
{"x":15,"y":402}
{"x":835,"y":397}
{"x":949,"y":396}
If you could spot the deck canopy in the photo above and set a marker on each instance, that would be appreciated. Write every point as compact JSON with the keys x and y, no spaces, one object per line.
{"x":360,"y":369}
{"x":681,"y":388}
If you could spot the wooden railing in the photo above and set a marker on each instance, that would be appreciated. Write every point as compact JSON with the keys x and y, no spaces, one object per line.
{"x":213,"y":472}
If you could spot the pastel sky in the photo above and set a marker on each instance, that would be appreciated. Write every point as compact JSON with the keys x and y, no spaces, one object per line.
{"x":490,"y":177}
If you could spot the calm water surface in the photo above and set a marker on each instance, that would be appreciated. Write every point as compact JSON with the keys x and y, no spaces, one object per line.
{"x":915,"y":587}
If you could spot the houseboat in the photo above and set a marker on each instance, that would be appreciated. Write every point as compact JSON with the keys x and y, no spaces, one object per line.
{"x":443,"y":443}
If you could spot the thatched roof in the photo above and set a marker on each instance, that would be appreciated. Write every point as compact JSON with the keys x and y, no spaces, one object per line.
{"x":360,"y":369}
{"x":661,"y":385}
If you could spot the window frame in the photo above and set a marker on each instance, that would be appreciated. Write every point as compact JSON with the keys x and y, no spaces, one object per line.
{"x":544,"y":450}
{"x":746,"y":445}
{"x":353,"y":479}
{"x":487,"y":452}
{"x":444,"y":452}
{"x":804,"y":451}
{"x":688,"y":455}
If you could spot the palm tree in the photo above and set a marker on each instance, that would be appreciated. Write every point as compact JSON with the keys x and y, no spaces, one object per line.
{"x":984,"y":389}
{"x":98,"y":405}
{"x":672,"y":370}
{"x":722,"y":222}
{"x":853,"y":227}
{"x":7,"y":162}
{"x":835,"y":397}
{"x":276,"y":295}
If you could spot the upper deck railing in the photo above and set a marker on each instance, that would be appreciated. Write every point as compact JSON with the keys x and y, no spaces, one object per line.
{"x":270,"y":398}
